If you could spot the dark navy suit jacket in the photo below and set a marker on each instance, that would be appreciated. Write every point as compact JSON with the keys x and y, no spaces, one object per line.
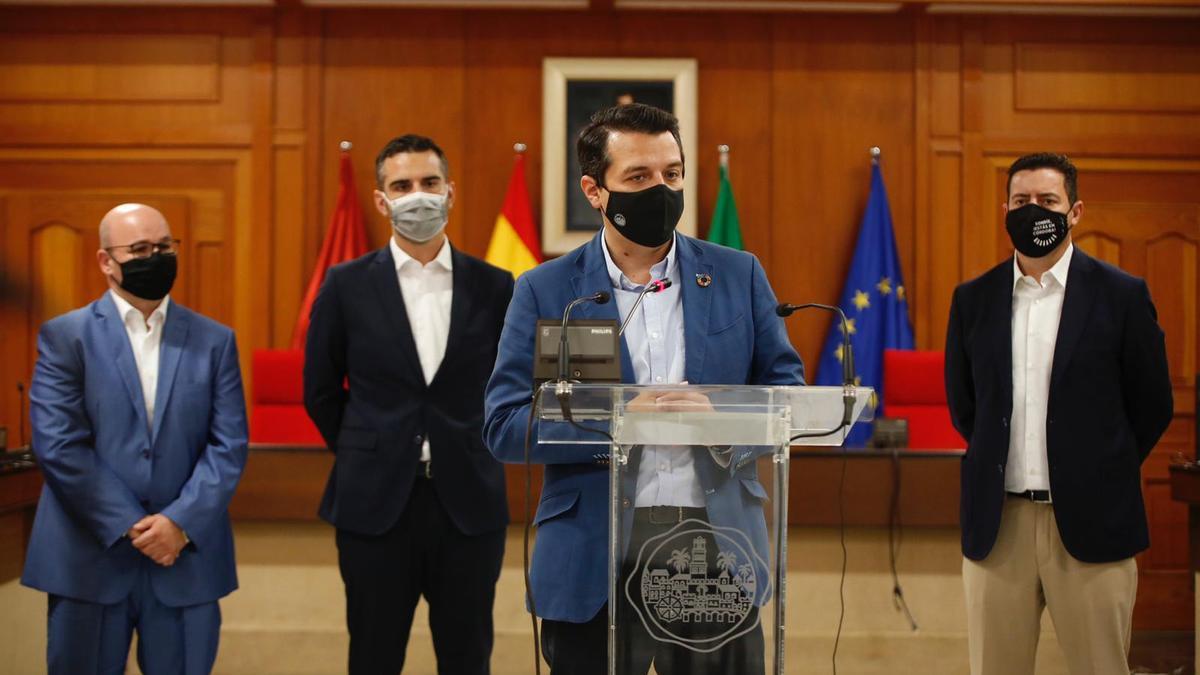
{"x":105,"y":470}
{"x":360,"y":335}
{"x":731,"y":336}
{"x":1110,"y":401}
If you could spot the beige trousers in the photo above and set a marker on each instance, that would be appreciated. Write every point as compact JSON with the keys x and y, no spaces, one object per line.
{"x":1027,"y":570}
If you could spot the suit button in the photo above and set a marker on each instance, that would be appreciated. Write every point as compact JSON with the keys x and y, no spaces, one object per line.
{"x":145,"y":453}
{"x":418,"y":439}
{"x":625,"y":503}
{"x":1000,"y":468}
{"x":1004,"y":421}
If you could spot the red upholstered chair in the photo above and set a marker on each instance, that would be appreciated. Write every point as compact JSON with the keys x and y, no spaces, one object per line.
{"x":277,"y":411}
{"x":914,"y":387}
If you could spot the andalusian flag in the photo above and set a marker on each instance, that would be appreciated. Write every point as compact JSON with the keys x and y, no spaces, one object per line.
{"x":514,"y":244}
{"x":725,"y":229}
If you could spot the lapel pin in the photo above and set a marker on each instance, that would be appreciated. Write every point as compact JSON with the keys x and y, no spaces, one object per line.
{"x":703,"y":280}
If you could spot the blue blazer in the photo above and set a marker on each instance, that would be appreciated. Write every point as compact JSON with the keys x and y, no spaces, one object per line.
{"x":104,"y":469}
{"x":731,"y":336}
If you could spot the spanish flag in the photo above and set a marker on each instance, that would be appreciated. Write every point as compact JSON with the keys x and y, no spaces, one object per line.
{"x":514,"y":244}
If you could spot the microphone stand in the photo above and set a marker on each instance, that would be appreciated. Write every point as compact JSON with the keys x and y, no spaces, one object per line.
{"x":848,"y":385}
{"x":562,"y":388}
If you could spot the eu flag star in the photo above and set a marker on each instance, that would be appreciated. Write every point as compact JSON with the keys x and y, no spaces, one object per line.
{"x":838,"y":353}
{"x":861,"y":300}
{"x":849,"y":326}
{"x":900,"y":293}
{"x":884,"y":286}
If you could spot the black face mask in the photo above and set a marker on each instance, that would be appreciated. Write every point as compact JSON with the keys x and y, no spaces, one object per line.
{"x":149,"y":278}
{"x":647,"y":217}
{"x":1034,"y":230}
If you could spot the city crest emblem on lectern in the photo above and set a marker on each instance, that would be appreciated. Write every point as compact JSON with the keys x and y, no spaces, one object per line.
{"x":698,"y":585}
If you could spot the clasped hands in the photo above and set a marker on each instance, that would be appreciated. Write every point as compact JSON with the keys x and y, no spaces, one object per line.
{"x":158,"y":538}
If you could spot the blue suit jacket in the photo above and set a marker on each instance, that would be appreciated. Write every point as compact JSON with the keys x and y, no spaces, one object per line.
{"x":731,"y":336}
{"x":105,"y":470}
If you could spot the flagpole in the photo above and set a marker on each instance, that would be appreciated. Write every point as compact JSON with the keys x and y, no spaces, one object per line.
{"x":723,"y":153}
{"x":875,"y":153}
{"x":345,"y":146}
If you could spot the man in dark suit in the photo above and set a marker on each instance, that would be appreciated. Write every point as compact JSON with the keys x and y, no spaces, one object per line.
{"x":400,"y":347}
{"x":1056,"y":373}
{"x":139,"y":426}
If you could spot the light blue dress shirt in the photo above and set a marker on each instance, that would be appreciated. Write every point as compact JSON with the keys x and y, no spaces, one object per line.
{"x":666,"y":474}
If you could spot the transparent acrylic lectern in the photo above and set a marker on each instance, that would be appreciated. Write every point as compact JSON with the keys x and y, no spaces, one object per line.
{"x":698,"y":513}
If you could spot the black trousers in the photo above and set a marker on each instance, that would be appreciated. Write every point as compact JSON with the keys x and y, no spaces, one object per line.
{"x":582,"y":648}
{"x":423,"y":554}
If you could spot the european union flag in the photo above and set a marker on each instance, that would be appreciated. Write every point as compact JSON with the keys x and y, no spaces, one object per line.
{"x":875,"y":304}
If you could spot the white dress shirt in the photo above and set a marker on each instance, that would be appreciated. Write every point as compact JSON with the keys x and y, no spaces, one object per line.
{"x":1036,"y":310}
{"x":666,"y":474}
{"x":427,"y":291}
{"x":145,"y":338}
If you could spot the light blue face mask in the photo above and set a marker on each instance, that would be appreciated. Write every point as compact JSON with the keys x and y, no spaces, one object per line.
{"x":419,"y":216}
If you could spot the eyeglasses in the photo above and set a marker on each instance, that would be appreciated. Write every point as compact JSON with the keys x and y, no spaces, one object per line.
{"x":145,"y":249}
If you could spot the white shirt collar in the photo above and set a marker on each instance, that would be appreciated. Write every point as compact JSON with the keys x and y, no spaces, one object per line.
{"x":159,"y":315}
{"x":660,"y":270}
{"x":401,"y":258}
{"x":1058,"y":273}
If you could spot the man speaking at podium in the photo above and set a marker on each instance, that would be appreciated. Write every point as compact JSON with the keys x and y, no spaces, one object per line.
{"x":715,"y":324}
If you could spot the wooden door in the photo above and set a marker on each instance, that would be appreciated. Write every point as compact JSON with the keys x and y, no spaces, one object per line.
{"x":49,"y":238}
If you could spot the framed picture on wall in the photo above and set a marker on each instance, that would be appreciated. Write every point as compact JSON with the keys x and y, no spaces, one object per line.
{"x":574,"y":89}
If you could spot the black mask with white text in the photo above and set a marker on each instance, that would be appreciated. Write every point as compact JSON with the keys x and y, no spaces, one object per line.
{"x":646,"y":217}
{"x":1035,"y":230}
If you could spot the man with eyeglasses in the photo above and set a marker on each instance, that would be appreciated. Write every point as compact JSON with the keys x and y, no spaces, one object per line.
{"x":139,"y":426}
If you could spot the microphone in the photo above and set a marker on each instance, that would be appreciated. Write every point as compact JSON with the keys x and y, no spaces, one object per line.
{"x":562,"y":390}
{"x":564,"y":350}
{"x":785,"y":310}
{"x":653,"y":287}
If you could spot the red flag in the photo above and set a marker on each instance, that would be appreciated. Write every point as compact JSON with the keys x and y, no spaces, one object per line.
{"x":345,"y":240}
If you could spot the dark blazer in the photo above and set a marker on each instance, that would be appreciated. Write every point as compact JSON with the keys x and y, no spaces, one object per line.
{"x":105,"y":468}
{"x":1110,"y":400}
{"x":360,"y":335}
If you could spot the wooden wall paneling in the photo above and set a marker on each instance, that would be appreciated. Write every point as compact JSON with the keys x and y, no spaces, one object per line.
{"x":947,"y":236}
{"x":923,"y":99}
{"x":380,"y":81}
{"x":295,"y":197}
{"x":820,"y":168}
{"x":100,"y":68}
{"x":157,"y":81}
{"x":1106,"y":77}
{"x":939,"y":172}
{"x":253,"y":259}
{"x":502,"y":95}
{"x":1101,"y":77}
